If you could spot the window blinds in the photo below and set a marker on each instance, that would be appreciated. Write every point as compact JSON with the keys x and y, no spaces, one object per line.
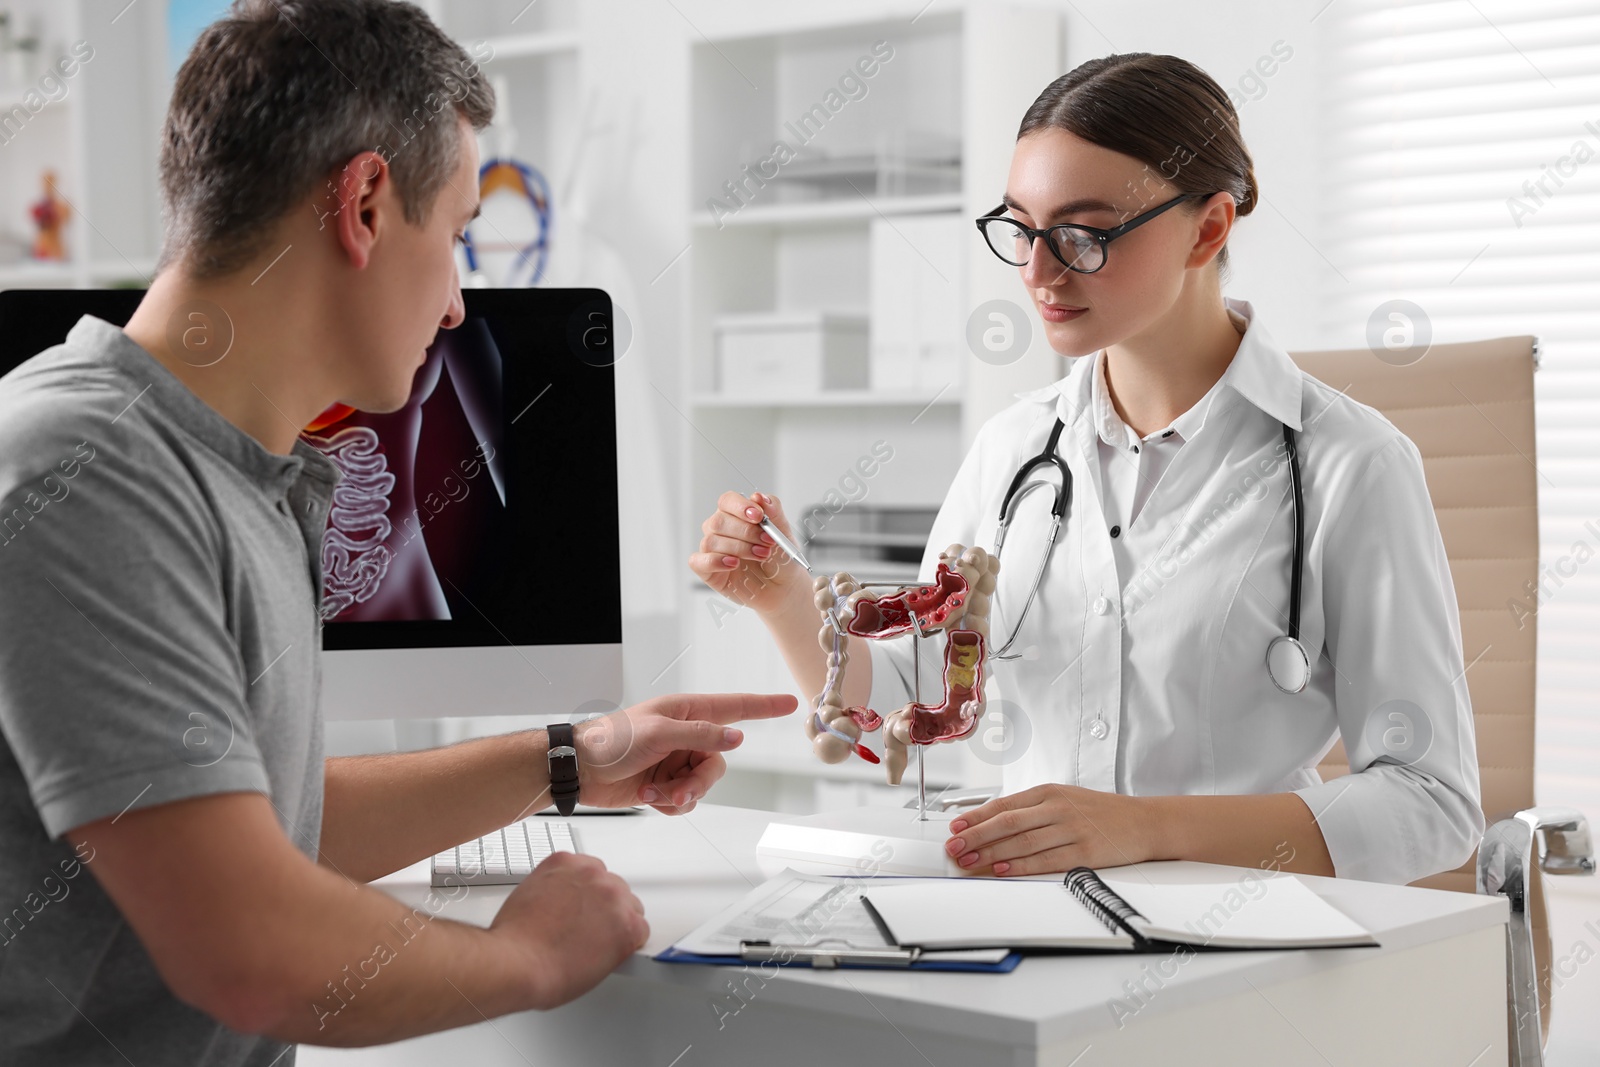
{"x":1462,"y":170}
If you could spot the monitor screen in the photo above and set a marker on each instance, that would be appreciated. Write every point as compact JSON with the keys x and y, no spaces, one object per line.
{"x":508,"y":428}
{"x":459,"y":520}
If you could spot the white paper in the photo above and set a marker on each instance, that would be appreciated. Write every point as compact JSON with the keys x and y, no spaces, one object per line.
{"x":1265,"y":912}
{"x":969,"y":913}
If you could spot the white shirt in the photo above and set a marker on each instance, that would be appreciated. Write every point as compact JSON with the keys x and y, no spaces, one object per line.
{"x":1154,"y":682}
{"x":1130,"y":465}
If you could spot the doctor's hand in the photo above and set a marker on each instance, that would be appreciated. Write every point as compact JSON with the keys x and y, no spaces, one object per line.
{"x":740,"y":560}
{"x":667,"y":751}
{"x":1052,"y":828}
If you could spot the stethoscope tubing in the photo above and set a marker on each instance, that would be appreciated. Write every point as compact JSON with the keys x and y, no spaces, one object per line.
{"x":1020,"y":487}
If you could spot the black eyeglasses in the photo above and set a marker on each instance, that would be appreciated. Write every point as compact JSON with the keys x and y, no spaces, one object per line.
{"x":1079,"y":248}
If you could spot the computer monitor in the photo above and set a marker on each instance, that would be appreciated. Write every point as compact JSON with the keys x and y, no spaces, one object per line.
{"x":472,"y":560}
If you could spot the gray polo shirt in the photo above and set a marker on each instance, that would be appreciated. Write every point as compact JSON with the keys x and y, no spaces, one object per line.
{"x":160,"y":578}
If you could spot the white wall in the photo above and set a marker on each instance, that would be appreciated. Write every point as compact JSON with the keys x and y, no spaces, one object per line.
{"x":1273,"y":251}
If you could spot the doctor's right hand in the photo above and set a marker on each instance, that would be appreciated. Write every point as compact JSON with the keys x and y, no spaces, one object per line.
{"x":739,"y":560}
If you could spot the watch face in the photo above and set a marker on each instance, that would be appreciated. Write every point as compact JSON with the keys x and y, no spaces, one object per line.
{"x":561,"y":751}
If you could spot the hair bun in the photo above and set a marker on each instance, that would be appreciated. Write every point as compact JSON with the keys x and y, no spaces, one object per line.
{"x":1251,"y":194}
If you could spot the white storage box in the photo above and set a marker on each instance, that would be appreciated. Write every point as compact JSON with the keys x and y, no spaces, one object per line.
{"x":918,"y":312}
{"x":781,"y":354}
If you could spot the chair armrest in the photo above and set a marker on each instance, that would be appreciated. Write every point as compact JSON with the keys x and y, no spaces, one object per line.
{"x":1564,"y":844}
{"x":1504,"y":859}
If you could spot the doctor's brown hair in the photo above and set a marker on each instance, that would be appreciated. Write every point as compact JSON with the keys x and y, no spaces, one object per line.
{"x":1163,"y":111}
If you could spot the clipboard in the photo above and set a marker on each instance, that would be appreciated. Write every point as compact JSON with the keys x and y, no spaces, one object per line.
{"x":848,"y":935}
{"x":820,"y":959}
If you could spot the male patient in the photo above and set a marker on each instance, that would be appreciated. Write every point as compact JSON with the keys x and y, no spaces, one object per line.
{"x":160,"y":525}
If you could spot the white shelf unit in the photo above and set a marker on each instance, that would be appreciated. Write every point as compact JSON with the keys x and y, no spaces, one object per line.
{"x":777,"y":249}
{"x":539,"y":23}
{"x":98,"y":130}
{"x":532,"y":53}
{"x":103,"y":135}
{"x":546,"y":43}
{"x":832,"y":211}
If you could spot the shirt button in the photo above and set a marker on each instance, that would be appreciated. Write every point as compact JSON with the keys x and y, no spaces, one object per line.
{"x":1116,"y":531}
{"x":1169,"y":433}
{"x":1099,"y":729}
{"x":1101,"y":605}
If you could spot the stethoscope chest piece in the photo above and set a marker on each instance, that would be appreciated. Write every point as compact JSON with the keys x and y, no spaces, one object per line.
{"x":1287,"y":664}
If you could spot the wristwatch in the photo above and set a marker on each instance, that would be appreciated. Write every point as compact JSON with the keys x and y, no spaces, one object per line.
{"x":563,"y":759}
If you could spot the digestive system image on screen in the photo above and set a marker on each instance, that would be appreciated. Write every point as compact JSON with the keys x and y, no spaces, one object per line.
{"x":957,"y":603}
{"x":355,"y":553}
{"x":421,"y":499}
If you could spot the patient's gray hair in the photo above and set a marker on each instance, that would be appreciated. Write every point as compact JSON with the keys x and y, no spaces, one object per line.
{"x":277,"y":97}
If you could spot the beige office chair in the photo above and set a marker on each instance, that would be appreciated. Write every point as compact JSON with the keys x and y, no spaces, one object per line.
{"x":1469,"y":408}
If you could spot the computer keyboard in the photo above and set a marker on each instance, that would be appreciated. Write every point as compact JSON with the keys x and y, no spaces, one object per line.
{"x":506,"y":856}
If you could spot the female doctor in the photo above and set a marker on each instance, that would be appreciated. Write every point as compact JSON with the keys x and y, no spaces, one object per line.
{"x":1158,"y":725}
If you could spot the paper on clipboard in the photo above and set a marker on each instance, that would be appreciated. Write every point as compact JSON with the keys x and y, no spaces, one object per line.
{"x":813,"y":912}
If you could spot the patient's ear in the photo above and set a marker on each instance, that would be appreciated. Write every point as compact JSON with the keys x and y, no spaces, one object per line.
{"x":359,"y":198}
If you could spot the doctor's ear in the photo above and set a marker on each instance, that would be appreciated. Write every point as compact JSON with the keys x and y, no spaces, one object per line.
{"x":1215,"y":216}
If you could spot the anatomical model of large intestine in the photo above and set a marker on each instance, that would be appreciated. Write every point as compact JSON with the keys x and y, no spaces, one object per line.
{"x":957,"y":603}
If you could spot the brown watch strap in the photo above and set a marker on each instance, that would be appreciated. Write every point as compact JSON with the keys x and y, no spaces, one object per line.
{"x":563,"y":761}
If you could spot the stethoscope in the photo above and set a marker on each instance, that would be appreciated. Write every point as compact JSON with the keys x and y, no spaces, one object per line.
{"x":1288,"y":665}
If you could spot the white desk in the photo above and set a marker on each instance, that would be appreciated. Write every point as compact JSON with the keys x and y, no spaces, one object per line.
{"x":1433,"y":994}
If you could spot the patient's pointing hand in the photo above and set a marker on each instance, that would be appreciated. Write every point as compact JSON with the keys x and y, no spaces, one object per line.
{"x":667,"y":751}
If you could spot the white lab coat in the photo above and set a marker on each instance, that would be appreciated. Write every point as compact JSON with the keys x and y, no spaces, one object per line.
{"x":1171,"y":658}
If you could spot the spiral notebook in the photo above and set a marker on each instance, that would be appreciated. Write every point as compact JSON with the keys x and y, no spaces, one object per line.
{"x":1116,"y":913}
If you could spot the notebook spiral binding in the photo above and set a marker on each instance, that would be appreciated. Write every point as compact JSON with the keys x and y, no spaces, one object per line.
{"x":1102,"y":900}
